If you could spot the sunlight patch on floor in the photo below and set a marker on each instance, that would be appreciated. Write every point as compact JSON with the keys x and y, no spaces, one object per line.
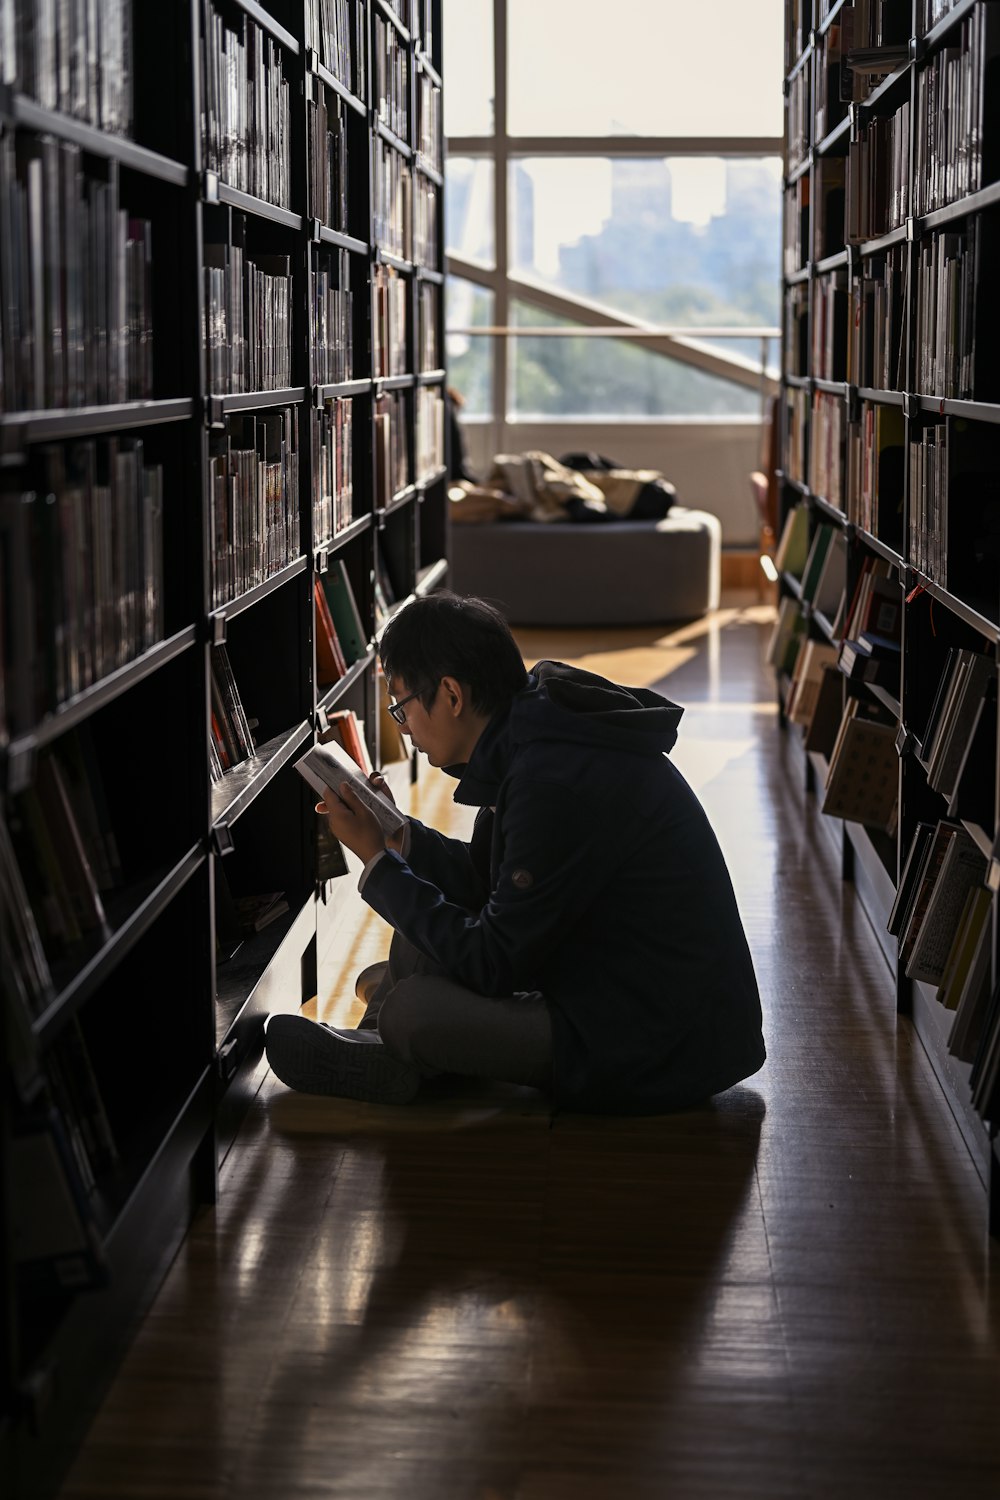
{"x":700,"y":761}
{"x":653,"y":653}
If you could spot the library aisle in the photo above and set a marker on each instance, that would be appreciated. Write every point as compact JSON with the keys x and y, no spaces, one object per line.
{"x":788,"y":1294}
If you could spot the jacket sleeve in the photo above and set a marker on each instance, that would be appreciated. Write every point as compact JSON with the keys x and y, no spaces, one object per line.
{"x":460,"y":870}
{"x":555,"y":865}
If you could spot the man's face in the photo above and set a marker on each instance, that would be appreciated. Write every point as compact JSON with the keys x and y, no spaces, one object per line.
{"x":432,"y":730}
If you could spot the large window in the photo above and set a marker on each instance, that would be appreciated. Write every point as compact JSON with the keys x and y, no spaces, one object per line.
{"x":467,"y":38}
{"x":643,"y":67}
{"x":569,"y":377}
{"x":468,"y":208}
{"x":470,"y":358}
{"x":687,"y":241}
{"x":638,"y":200}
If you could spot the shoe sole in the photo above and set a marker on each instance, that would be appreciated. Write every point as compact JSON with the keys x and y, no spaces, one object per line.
{"x":308,"y":1058}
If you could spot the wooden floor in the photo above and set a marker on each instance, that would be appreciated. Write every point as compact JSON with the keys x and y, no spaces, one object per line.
{"x":789,"y":1294}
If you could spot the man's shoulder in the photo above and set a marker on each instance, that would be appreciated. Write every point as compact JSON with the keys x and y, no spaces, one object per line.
{"x":575,"y":764}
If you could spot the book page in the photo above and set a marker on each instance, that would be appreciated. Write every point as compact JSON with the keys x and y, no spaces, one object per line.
{"x":327,"y":767}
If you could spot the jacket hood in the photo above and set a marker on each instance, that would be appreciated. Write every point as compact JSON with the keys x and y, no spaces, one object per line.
{"x":566,"y":703}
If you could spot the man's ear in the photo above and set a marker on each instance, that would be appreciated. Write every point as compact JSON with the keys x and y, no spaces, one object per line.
{"x":454,"y":695}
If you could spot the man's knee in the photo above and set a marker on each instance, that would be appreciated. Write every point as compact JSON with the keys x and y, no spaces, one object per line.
{"x":403,"y":1016}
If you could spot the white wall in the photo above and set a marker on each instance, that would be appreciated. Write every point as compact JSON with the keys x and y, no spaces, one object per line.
{"x":709,"y":462}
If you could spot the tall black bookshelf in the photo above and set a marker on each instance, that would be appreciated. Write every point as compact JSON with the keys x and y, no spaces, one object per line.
{"x":890,"y":482}
{"x":222,"y":387}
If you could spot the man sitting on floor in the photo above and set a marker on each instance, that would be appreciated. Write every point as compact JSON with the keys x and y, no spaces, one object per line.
{"x":585,"y":941}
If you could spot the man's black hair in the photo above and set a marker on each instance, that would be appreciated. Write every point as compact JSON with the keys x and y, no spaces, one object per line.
{"x":446,"y":635}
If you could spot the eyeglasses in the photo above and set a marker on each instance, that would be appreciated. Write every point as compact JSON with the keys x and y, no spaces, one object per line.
{"x":398,"y":709}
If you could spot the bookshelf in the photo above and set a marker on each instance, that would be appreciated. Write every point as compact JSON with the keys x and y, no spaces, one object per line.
{"x":221,"y":444}
{"x":889,"y":427}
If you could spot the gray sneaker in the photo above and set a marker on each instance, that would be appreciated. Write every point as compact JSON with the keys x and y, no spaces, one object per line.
{"x":314,"y":1058}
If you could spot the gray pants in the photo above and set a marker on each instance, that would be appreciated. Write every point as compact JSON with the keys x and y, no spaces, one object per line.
{"x":426,"y":1019}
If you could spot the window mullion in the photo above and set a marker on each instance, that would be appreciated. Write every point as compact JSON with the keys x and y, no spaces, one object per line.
{"x":501,"y":361}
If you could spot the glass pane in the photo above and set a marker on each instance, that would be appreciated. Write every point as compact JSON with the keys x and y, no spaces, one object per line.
{"x":470,"y":358}
{"x":689,"y":241}
{"x":468,"y":62}
{"x":582,"y":67}
{"x":468,"y":209}
{"x":576,"y":377}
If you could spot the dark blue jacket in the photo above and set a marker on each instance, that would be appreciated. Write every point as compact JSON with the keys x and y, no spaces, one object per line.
{"x":598,"y":880}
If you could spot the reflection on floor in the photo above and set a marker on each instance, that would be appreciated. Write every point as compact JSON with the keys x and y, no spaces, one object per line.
{"x":788,"y":1294}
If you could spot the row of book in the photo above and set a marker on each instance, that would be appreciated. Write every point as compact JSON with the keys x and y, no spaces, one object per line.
{"x":952,"y":144}
{"x":954,"y":512}
{"x":337,"y":31}
{"x":826,"y":207}
{"x":76,"y":59}
{"x":828,"y":342}
{"x":341,"y":639}
{"x":332,"y":321}
{"x":943,"y":919}
{"x":947,"y":470}
{"x":248,"y":335}
{"x":254,"y":524}
{"x":429,"y":121}
{"x":429,"y":431}
{"x":796,"y":327}
{"x":329,"y":167}
{"x":817,"y":558}
{"x":827,"y":430}
{"x":81,"y":554}
{"x":425,"y":220}
{"x":796,"y":433}
{"x":62,"y":1145}
{"x":798,"y":24}
{"x":878,"y":177}
{"x":66,"y":862}
{"x":874,"y":492}
{"x":864,"y":648}
{"x":930,"y":12}
{"x":796,"y":240}
{"x":869,"y":649}
{"x":231,"y":738}
{"x":333,"y":469}
{"x":389,"y":297}
{"x":945,"y":336}
{"x":391,"y":78}
{"x":246,"y":121}
{"x":428,"y":323}
{"x":856,"y":735}
{"x":862,"y":782}
{"x":927,"y":546}
{"x":75,"y":281}
{"x":982,"y":1048}
{"x":798,"y":120}
{"x":965,"y":690}
{"x":392,"y":196}
{"x":876,"y":323}
{"x":61,"y":1150}
{"x":392,"y":447}
{"x":943,"y":872}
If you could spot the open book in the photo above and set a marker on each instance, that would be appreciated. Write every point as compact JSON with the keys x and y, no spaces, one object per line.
{"x":327,"y":767}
